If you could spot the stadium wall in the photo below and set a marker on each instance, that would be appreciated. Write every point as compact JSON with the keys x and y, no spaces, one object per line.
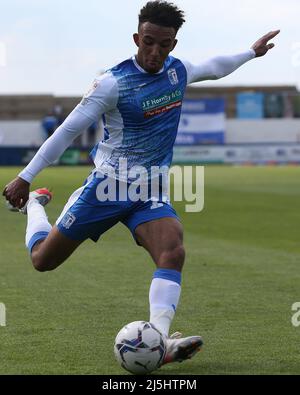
{"x":254,"y":154}
{"x":262,"y":131}
{"x":20,"y":133}
{"x":29,"y":132}
{"x":26,"y":133}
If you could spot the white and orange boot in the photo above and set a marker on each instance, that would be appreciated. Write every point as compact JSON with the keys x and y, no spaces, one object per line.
{"x":42,"y":195}
{"x":181,"y":348}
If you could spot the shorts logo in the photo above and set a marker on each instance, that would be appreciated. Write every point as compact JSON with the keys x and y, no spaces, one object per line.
{"x":173,"y":76}
{"x":155,"y":205}
{"x":68,"y":220}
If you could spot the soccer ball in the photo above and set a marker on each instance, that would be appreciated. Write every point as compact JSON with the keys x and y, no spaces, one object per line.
{"x":139,"y":347}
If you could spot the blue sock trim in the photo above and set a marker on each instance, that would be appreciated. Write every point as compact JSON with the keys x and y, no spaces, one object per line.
{"x":35,"y":238}
{"x":168,"y":274}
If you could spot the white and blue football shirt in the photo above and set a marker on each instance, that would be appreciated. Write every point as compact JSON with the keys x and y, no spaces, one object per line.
{"x":141,"y":113}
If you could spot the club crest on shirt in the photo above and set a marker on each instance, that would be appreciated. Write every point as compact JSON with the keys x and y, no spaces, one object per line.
{"x":173,"y":76}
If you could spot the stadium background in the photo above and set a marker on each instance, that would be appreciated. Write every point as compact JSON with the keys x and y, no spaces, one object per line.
{"x":259,"y":125}
{"x":242,"y":269}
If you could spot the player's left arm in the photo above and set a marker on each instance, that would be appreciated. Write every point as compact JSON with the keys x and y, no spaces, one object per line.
{"x":222,"y":66}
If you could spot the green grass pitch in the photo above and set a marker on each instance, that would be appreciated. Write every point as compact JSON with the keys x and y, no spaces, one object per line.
{"x":240,"y":280}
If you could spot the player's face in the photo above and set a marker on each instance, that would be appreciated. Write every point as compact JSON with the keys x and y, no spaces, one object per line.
{"x":154,"y":43}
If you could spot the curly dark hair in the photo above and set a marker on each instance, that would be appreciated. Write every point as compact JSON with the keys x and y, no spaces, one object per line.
{"x":162,"y":13}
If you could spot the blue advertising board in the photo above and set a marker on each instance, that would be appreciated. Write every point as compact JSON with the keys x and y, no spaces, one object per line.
{"x":202,"y":122}
{"x":250,"y":105}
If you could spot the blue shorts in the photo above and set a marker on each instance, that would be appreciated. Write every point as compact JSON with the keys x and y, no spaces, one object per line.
{"x":85,"y":216}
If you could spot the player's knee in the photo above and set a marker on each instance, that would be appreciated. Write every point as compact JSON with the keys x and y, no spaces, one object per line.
{"x":41,"y":264}
{"x":173,"y":258}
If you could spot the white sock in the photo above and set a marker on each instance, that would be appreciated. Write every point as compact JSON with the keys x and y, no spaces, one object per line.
{"x":38,"y":226}
{"x":164,"y":297}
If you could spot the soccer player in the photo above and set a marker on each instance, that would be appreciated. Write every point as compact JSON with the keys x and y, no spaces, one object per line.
{"x":140,"y":100}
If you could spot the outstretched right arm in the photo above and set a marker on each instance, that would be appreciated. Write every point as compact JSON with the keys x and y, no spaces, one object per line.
{"x":99,"y":100}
